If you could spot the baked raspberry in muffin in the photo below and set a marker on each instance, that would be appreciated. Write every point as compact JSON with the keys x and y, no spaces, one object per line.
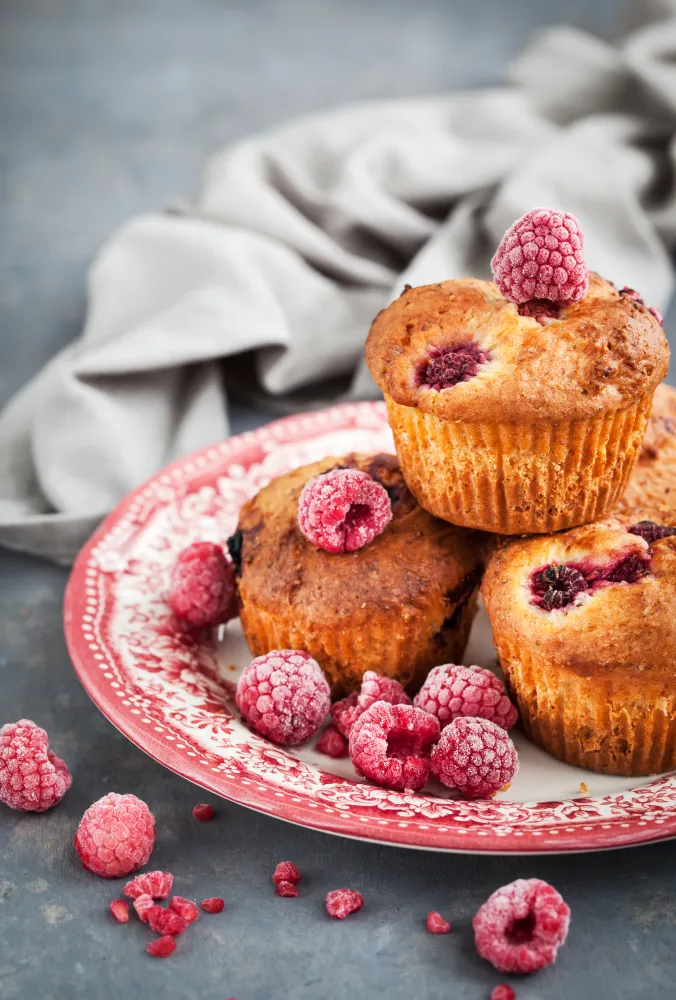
{"x":585,"y":627}
{"x":517,"y":418}
{"x":651,"y":490}
{"x":398,"y":605}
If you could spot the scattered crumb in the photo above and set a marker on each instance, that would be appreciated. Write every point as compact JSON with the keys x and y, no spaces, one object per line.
{"x":506,"y":788}
{"x":583,"y":788}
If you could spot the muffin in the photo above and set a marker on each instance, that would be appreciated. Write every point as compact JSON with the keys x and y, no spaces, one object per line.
{"x":585,"y":627}
{"x":651,"y":490}
{"x":400,"y":605}
{"x":516,"y":418}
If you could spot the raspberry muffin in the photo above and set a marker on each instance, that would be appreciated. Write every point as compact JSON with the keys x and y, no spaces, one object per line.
{"x":399,"y":605}
{"x":651,"y":490}
{"x":585,"y":627}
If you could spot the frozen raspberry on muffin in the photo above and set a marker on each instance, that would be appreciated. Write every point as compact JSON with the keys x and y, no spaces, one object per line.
{"x":451,"y":691}
{"x":476,"y":756}
{"x":391,"y":744}
{"x":343,"y":510}
{"x":284,"y":696}
{"x":202,"y":591}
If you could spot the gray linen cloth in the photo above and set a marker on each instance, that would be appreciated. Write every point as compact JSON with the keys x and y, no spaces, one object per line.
{"x":303,"y":233}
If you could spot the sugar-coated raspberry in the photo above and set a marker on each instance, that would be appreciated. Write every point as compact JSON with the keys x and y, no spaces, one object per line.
{"x":202,"y":589}
{"x":120,"y":910}
{"x":332,"y":743}
{"x":286,"y":871}
{"x":340,"y":903}
{"x":157,"y":885}
{"x":185,"y":908}
{"x":503,"y":992}
{"x":447,"y":366}
{"x":345,"y":713}
{"x":630,"y":293}
{"x":475,"y":756}
{"x":203,"y":812}
{"x":542,"y":256}
{"x":142,"y":905}
{"x":436,"y":924}
{"x":286,"y":889}
{"x":650,"y":531}
{"x":284,"y":695}
{"x":343,"y":510}
{"x":391,"y":744}
{"x":521,"y":926}
{"x":212,"y":905}
{"x":557,"y":586}
{"x":450,"y":691}
{"x":162,"y":947}
{"x":165,"y":921}
{"x":116,"y":835}
{"x":374,"y":687}
{"x":32,"y":778}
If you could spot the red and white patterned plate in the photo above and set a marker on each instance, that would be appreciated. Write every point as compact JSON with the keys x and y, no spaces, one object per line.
{"x":172,"y":694}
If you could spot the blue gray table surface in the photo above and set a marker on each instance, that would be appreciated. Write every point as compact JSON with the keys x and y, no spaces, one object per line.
{"x":106,"y":109}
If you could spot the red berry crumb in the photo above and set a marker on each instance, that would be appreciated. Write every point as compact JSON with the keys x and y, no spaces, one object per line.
{"x":162,"y":947}
{"x":154,"y":884}
{"x":203,"y":812}
{"x":436,"y":924}
{"x":503,"y":992}
{"x":332,"y":743}
{"x":165,"y":921}
{"x":202,"y":588}
{"x":116,"y":835}
{"x":521,"y":926}
{"x":213,"y":905}
{"x":284,"y":695}
{"x":120,"y":910}
{"x":632,"y":294}
{"x":32,"y":778}
{"x":451,"y":691}
{"x":340,"y":903}
{"x":286,"y":871}
{"x":185,"y":908}
{"x":343,"y":510}
{"x":542,"y":256}
{"x":475,"y":756}
{"x":286,"y":889}
{"x":142,"y":905}
{"x":345,"y":713}
{"x":391,"y":744}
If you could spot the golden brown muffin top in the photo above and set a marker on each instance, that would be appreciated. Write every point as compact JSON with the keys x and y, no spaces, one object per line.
{"x":651,"y":490}
{"x":600,"y":354}
{"x":622,"y":620}
{"x":416,"y":559}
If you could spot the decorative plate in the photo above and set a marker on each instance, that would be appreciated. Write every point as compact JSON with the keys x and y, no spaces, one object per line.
{"x":172,"y":693}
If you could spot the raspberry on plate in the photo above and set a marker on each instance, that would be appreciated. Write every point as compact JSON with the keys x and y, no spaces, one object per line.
{"x":202,"y":589}
{"x":343,"y":510}
{"x":340,"y":903}
{"x":391,"y":744}
{"x":345,"y":712}
{"x":476,"y":756}
{"x":332,"y":743}
{"x":116,"y":835}
{"x":157,"y":885}
{"x":451,"y":691}
{"x":521,"y":926}
{"x":32,"y":778}
{"x":374,"y":687}
{"x":284,"y":696}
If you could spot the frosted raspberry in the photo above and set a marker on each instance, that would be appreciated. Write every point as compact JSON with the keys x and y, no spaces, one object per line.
{"x":542,"y":256}
{"x":475,"y":756}
{"x":161,"y":947}
{"x":391,"y":744}
{"x":629,"y":293}
{"x":185,"y":908}
{"x":332,"y":743}
{"x":345,"y":713}
{"x":557,"y":586}
{"x":286,"y":889}
{"x":375,"y":687}
{"x":451,"y":691}
{"x":32,"y":778}
{"x":213,"y":905}
{"x":157,"y":885}
{"x":202,"y":589}
{"x":120,"y":910}
{"x":284,"y":696}
{"x":502,"y":992}
{"x":165,"y":921}
{"x":340,"y":903}
{"x":286,"y":871}
{"x":116,"y":835}
{"x":447,"y":366}
{"x":650,"y":531}
{"x":521,"y":926}
{"x":436,"y":924}
{"x":142,"y":905}
{"x":203,"y":812}
{"x":343,"y":510}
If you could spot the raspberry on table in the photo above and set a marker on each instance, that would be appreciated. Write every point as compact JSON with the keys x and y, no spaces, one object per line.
{"x":332,"y":743}
{"x":116,"y":835}
{"x":202,"y":589}
{"x":343,"y":510}
{"x":284,"y":695}
{"x":557,"y":586}
{"x":165,"y":921}
{"x":286,"y":889}
{"x":391,"y":744}
{"x":340,"y":903}
{"x":436,"y":924}
{"x":447,"y":366}
{"x":142,"y":905}
{"x":450,"y":691}
{"x":541,"y":256}
{"x":374,"y":687}
{"x":476,"y":756}
{"x":32,"y":778}
{"x":120,"y":910}
{"x":286,"y":871}
{"x":162,"y":947}
{"x":213,"y":905}
{"x":521,"y":926}
{"x":650,"y":531}
{"x":157,"y":885}
{"x":203,"y":812}
{"x":185,"y":908}
{"x":502,"y":992}
{"x":630,"y":293}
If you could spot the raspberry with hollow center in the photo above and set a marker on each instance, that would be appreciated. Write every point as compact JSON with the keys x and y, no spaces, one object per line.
{"x":451,"y":691}
{"x":162,"y":947}
{"x":332,"y":743}
{"x":157,"y":885}
{"x":212,"y":905}
{"x":203,"y":812}
{"x":120,"y":910}
{"x":32,"y":778}
{"x":202,"y":588}
{"x":541,"y":256}
{"x":521,"y":926}
{"x":185,"y":908}
{"x":436,"y":924}
{"x":475,"y":756}
{"x":286,"y":871}
{"x":165,"y":921}
{"x":340,"y":903}
{"x":116,"y":835}
{"x":448,"y":366}
{"x":142,"y":905}
{"x":650,"y":531}
{"x":557,"y":586}
{"x":630,"y":293}
{"x":343,"y":510}
{"x":391,"y":745}
{"x":503,"y":992}
{"x":284,"y":695}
